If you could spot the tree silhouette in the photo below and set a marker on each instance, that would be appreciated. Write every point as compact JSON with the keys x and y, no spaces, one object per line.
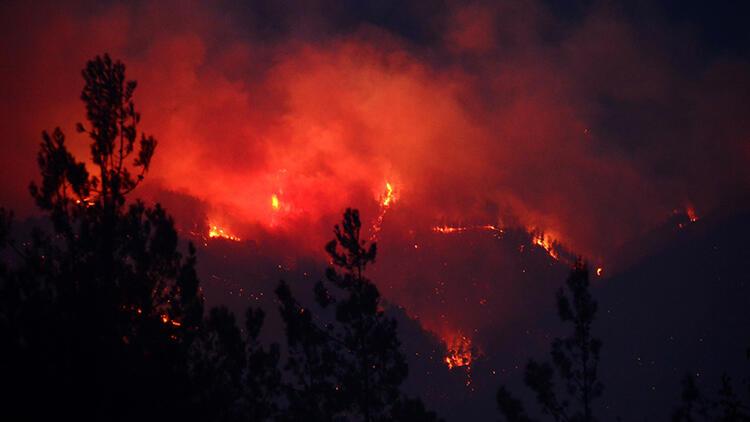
{"x":234,"y":378}
{"x":693,"y":407}
{"x":314,"y":393}
{"x":726,"y":406}
{"x":262,"y":378}
{"x":412,"y":410}
{"x":351,"y":365}
{"x":372,"y":366}
{"x":104,"y":304}
{"x":574,"y":360}
{"x":102,"y":317}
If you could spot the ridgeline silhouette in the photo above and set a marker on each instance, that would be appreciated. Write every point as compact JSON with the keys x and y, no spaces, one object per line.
{"x":102,"y":318}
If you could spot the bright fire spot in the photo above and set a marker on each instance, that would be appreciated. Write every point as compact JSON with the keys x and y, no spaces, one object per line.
{"x":459,"y":352}
{"x":547,"y":243}
{"x":165,"y":319}
{"x":599,"y":271}
{"x":388,"y":197}
{"x":448,"y":229}
{"x":445,"y":229}
{"x":88,"y":201}
{"x":216,"y":231}
{"x":274,"y":202}
{"x":691,"y":214}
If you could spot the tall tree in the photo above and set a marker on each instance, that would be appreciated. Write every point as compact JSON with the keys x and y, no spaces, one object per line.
{"x":99,"y":312}
{"x":314,"y":393}
{"x":351,"y":365}
{"x":575,"y":360}
{"x":372,"y":367}
{"x":725,"y":406}
{"x":102,"y":318}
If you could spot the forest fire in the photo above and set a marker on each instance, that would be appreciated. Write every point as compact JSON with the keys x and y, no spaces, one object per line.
{"x":215,"y":231}
{"x":448,"y":229}
{"x":546,"y":243}
{"x":459,"y":352}
{"x":685,"y":216}
{"x":88,"y":202}
{"x":386,"y":199}
{"x":445,"y":229}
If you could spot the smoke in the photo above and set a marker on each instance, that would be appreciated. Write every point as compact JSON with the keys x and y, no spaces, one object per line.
{"x":585,"y":127}
{"x":589,"y":133}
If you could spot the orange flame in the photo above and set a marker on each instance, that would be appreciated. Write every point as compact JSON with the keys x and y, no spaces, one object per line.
{"x":387,"y":199}
{"x":88,"y":201}
{"x":448,"y":229}
{"x":215,"y":231}
{"x":275,"y":202}
{"x":459,"y":352}
{"x":166,"y":320}
{"x":445,"y":229}
{"x":546,"y":243}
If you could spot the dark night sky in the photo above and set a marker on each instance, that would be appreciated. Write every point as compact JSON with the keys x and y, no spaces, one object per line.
{"x":603,"y":125}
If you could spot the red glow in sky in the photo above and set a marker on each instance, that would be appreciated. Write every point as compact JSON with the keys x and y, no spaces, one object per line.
{"x":275,"y":139}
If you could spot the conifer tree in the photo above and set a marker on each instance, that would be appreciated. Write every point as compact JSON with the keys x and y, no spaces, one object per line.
{"x":575,"y":361}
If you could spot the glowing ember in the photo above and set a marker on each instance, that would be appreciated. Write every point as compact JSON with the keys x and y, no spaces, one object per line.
{"x":165,"y":319}
{"x":274,"y":202}
{"x":88,"y":202}
{"x":459,"y":353}
{"x":690,"y":211}
{"x":599,"y":271}
{"x":216,"y":231}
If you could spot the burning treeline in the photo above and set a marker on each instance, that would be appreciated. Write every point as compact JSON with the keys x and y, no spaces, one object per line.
{"x":285,"y":136}
{"x":461,"y":349}
{"x":319,"y":125}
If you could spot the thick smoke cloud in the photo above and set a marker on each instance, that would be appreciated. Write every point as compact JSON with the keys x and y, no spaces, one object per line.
{"x":585,"y":125}
{"x":592,"y":133}
{"x":591,"y":126}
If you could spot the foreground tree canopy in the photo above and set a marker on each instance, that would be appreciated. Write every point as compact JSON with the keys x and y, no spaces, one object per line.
{"x":102,"y":316}
{"x":575,"y":360}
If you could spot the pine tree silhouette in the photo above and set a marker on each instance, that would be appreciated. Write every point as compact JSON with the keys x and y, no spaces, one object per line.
{"x":102,"y":318}
{"x":105,"y":304}
{"x":350,"y":366}
{"x":725,"y":406}
{"x":575,"y":361}
{"x":314,"y":392}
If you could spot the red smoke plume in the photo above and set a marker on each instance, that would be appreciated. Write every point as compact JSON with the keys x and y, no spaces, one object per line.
{"x":491,"y":125}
